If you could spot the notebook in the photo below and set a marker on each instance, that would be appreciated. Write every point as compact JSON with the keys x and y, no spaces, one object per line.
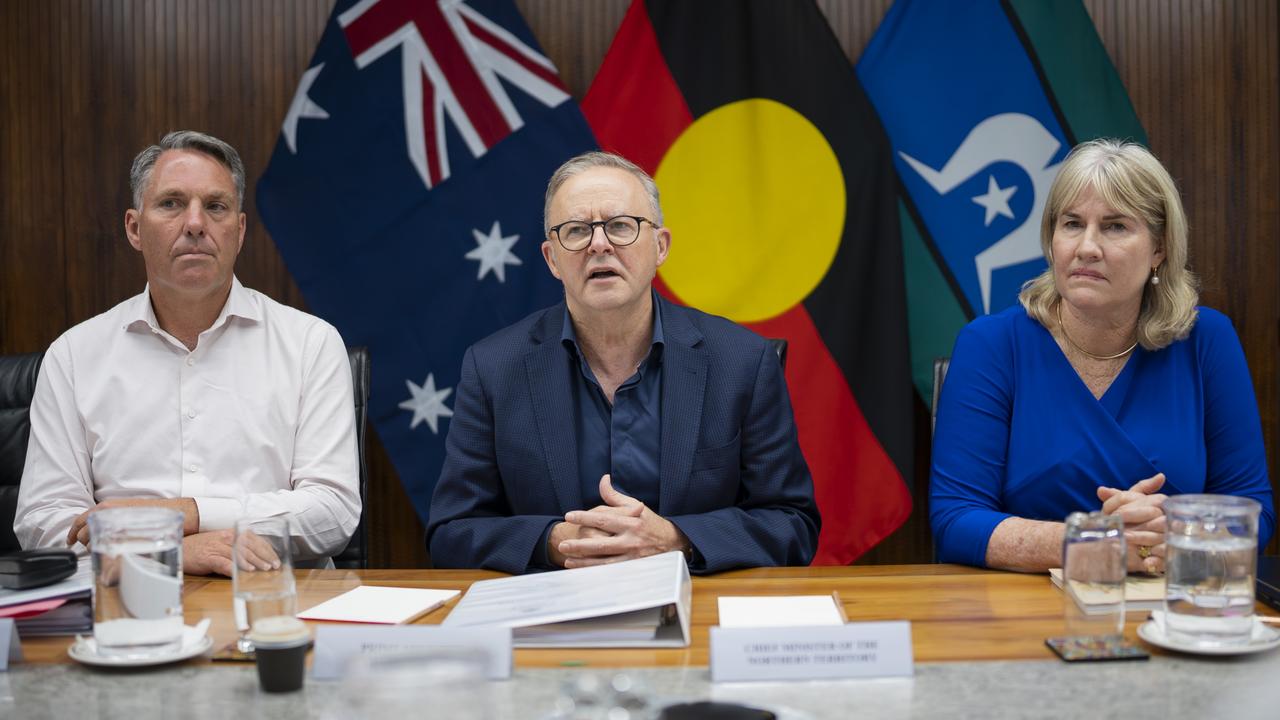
{"x":1141,"y":592}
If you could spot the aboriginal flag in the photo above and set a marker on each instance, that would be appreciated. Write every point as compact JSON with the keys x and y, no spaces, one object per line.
{"x":779,"y":190}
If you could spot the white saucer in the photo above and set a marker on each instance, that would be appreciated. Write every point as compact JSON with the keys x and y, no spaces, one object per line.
{"x":85,"y":650}
{"x":1262,"y":639}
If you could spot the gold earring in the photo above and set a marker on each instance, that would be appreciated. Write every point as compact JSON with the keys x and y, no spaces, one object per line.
{"x":1155,"y":279}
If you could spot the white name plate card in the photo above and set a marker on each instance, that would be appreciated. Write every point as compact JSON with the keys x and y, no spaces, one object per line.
{"x":10,"y":646}
{"x":336,"y":645}
{"x":855,"y":650}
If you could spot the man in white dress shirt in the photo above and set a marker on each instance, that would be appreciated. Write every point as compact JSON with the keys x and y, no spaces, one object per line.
{"x":199,"y":394}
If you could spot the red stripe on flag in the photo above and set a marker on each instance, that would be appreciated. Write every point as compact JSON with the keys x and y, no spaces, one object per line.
{"x":461,"y":75}
{"x":504,"y":47}
{"x":388,"y":16}
{"x":635,"y":75}
{"x":860,"y":492}
{"x":435,"y":169}
{"x":375,"y":25}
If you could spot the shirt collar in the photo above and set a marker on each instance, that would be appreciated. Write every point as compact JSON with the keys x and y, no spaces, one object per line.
{"x":569,"y":337}
{"x":241,"y":303}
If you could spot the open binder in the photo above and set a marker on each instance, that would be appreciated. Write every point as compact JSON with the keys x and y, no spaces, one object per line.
{"x":634,"y":603}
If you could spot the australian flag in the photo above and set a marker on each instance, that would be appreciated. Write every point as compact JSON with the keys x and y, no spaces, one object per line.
{"x":405,"y":194}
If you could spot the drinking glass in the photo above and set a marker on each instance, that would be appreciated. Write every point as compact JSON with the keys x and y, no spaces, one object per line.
{"x":137,"y":580}
{"x":1093,"y":574}
{"x":1211,"y":555}
{"x":261,"y":574}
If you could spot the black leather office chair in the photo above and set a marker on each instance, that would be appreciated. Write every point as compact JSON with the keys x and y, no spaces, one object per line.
{"x":17,"y":387}
{"x":940,"y":366}
{"x":356,"y":554}
{"x":779,"y":346}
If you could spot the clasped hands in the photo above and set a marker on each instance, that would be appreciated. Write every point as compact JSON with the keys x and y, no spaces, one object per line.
{"x":623,"y":528}
{"x":1142,"y":507}
{"x":203,"y":553}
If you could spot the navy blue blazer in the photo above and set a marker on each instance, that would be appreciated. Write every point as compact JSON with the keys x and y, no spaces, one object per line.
{"x":731,"y":475}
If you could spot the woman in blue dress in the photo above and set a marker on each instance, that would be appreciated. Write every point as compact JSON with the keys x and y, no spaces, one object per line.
{"x":1105,"y":388}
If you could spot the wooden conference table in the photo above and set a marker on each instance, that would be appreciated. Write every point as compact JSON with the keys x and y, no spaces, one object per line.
{"x":956,"y":612}
{"x":978,"y":639}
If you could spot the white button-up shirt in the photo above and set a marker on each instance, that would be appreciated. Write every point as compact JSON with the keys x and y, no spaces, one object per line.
{"x":257,"y":421}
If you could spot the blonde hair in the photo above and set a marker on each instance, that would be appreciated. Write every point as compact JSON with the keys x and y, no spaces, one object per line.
{"x":1131,"y":180}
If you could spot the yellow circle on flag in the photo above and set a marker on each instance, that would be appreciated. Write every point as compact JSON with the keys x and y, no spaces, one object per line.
{"x":755,"y":200}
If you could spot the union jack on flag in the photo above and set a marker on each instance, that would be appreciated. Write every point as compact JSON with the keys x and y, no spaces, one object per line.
{"x":405,"y":195}
{"x":452,"y":58}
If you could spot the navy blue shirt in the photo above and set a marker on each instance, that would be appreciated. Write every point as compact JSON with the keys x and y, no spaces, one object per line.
{"x":625,"y":439}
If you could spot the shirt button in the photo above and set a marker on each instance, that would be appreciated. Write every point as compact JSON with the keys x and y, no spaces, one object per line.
{"x":191,"y":413}
{"x":191,"y":468}
{"x":191,"y":361}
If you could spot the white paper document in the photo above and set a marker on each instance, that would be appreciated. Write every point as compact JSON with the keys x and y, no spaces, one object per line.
{"x":635,"y":603}
{"x":80,"y":582}
{"x":779,"y":611}
{"x":382,"y":605}
{"x":1141,"y":592}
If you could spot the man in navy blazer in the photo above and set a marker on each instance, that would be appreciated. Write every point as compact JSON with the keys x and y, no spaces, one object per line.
{"x":617,"y":425}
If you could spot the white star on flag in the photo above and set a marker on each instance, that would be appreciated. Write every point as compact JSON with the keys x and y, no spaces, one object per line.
{"x":494,"y":252}
{"x":996,"y":201}
{"x":302,"y":107}
{"x":427,"y":404}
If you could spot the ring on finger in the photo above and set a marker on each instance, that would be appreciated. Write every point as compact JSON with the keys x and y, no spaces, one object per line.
{"x":1144,"y":551}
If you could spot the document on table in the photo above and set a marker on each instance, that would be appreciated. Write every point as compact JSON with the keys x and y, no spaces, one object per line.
{"x":1141,"y":592}
{"x":63,"y":608}
{"x":382,"y":605}
{"x":81,"y":583}
{"x":635,"y":603}
{"x":779,"y":611}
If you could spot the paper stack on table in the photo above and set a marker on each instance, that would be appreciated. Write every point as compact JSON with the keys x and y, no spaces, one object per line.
{"x":63,"y":608}
{"x":1141,"y":592}
{"x":633,"y":603}
{"x":780,"y":611}
{"x":379,"y":605}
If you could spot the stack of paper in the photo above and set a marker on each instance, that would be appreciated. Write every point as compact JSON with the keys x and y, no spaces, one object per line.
{"x":634,"y":603}
{"x":637,"y":626}
{"x":63,"y":608}
{"x":381,"y":605}
{"x":1141,"y":592}
{"x":780,"y":611}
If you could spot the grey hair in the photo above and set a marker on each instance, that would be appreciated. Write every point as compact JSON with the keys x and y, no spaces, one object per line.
{"x":594,"y":159}
{"x":145,"y":162}
{"x":1131,"y":180}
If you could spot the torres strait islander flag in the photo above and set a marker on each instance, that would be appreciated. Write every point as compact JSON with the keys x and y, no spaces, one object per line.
{"x":982,"y":100}
{"x":405,"y":194}
{"x":777,"y":185}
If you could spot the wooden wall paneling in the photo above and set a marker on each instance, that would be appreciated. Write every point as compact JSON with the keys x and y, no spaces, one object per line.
{"x":32,"y":238}
{"x":854,"y":22}
{"x":574,"y":35}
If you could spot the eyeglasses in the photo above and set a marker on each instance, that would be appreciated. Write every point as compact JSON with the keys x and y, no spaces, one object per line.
{"x":620,"y":231}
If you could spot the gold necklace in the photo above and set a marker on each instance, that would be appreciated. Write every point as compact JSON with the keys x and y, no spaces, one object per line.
{"x":1073,"y":344}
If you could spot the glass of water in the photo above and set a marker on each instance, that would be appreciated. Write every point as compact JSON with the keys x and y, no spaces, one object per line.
{"x":261,"y":574}
{"x":1211,"y":555}
{"x":137,"y":580}
{"x":1093,"y":574}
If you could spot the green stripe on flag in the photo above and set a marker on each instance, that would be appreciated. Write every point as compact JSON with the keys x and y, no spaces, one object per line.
{"x":1079,"y":72}
{"x":934,"y":316}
